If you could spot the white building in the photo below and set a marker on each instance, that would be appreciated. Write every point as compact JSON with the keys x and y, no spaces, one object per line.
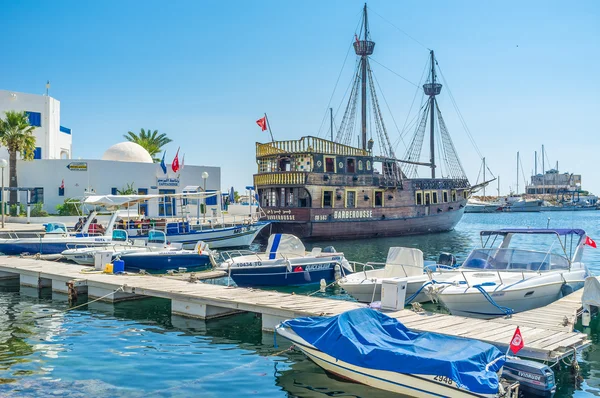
{"x":53,"y":141}
{"x":123,"y":165}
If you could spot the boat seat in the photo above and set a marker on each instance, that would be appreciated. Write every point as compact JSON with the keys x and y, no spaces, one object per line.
{"x":478,"y":263}
{"x":315,"y":251}
{"x":522,"y":266}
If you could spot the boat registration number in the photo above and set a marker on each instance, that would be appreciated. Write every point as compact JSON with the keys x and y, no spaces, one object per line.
{"x":443,"y":379}
{"x":249,"y":264}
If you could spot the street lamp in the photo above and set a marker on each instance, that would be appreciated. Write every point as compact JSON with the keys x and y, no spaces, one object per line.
{"x":204,"y":177}
{"x":3,"y":165}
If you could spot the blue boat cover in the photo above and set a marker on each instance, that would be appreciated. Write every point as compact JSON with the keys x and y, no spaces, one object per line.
{"x":369,"y":339}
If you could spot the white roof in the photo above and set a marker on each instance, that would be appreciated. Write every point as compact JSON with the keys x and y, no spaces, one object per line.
{"x":127,"y":152}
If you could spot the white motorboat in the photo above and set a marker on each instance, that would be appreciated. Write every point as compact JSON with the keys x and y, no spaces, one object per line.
{"x":285,"y":262}
{"x":404,"y":264}
{"x":509,"y":280}
{"x":368,"y":347}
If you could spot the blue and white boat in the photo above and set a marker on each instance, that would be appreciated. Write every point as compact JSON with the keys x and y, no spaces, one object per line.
{"x":239,"y":232}
{"x":368,"y":347}
{"x":158,"y":255}
{"x":285,"y":262}
{"x":55,"y":239}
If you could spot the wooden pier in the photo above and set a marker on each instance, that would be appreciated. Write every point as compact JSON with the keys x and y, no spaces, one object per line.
{"x":547,"y":331}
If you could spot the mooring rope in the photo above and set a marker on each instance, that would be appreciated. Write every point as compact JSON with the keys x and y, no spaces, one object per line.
{"x":80,"y":305}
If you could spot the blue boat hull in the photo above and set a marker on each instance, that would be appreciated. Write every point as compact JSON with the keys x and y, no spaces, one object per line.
{"x":165,"y":262}
{"x":280,"y":276}
{"x":15,"y":249}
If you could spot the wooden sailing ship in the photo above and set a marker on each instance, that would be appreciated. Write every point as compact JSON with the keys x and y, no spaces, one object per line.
{"x":328,"y":189}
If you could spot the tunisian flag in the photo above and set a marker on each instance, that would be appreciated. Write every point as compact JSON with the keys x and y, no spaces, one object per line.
{"x":262,"y":123}
{"x":517,"y":342}
{"x":590,"y":242}
{"x":175,"y":164}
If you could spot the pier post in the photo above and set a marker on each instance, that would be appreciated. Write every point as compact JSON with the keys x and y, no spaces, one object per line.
{"x":8,"y":275}
{"x":193,"y":309}
{"x":110,"y":295}
{"x":34,"y":280}
{"x":270,"y":321}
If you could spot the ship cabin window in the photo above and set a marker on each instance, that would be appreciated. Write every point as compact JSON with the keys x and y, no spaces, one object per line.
{"x":285,"y":164}
{"x":351,"y":199}
{"x":350,"y":165}
{"x":444,"y":196}
{"x":378,"y":199}
{"x":453,"y":195}
{"x":427,"y":198}
{"x":327,"y":199}
{"x":329,"y":164}
{"x":304,"y":198}
{"x":419,"y":198}
{"x":434,"y":197}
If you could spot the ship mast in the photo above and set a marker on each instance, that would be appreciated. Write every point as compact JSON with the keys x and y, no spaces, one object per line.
{"x":432,"y":89}
{"x":364,"y":48}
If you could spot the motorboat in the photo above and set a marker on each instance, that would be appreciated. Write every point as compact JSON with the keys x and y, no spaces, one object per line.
{"x":160,"y":255}
{"x":56,"y":238}
{"x":285,"y":262}
{"x":479,"y":206}
{"x":369,"y":347}
{"x":509,"y":280}
{"x":219,"y":234}
{"x":523,"y":205}
{"x":84,"y":254}
{"x":402,"y":264}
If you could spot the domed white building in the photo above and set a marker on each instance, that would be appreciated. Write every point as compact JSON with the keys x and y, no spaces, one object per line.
{"x":122,"y":166}
{"x":127,"y":152}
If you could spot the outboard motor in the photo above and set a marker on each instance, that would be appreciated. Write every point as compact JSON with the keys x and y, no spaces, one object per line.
{"x":447,"y":259}
{"x":329,"y":249}
{"x":535,"y":379}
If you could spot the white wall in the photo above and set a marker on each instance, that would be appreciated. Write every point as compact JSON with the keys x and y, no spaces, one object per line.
{"x":102,"y":176}
{"x":48,"y":136}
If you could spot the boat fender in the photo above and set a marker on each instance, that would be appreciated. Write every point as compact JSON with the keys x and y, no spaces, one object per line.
{"x":337,"y":272}
{"x":298,"y":269}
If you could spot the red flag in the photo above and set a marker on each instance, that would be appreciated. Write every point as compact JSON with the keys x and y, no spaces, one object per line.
{"x":262,"y":123}
{"x":175,"y":164}
{"x":356,"y":39}
{"x":62,"y":184}
{"x":590,"y":242}
{"x":517,"y":342}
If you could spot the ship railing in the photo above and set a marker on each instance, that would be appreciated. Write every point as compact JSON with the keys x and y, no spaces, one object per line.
{"x":281,"y":178}
{"x":308,"y":144}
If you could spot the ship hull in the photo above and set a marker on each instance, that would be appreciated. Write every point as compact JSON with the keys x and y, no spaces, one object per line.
{"x":387,"y":226}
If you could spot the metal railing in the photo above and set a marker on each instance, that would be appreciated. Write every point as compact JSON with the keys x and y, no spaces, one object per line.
{"x":280,"y":178}
{"x":308,"y":144}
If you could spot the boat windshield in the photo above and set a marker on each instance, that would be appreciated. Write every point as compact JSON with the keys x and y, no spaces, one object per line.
{"x":515,"y":260}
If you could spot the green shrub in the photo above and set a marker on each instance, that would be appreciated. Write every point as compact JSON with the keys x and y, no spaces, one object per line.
{"x":16,"y":211}
{"x":38,"y":210}
{"x":68,"y":208}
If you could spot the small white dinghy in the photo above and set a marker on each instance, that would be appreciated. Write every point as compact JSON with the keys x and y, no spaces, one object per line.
{"x":509,"y":280}
{"x":402,"y":264}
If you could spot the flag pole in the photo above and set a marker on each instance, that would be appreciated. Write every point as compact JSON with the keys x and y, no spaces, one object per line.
{"x":269,"y":127}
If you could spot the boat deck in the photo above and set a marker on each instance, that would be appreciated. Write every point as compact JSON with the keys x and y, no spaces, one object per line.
{"x":547,"y":336}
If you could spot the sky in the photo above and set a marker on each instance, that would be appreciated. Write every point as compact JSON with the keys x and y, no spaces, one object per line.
{"x":523,"y":74}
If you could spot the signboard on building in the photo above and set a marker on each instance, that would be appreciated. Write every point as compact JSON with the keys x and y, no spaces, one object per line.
{"x":167,"y":182}
{"x":77,"y":166}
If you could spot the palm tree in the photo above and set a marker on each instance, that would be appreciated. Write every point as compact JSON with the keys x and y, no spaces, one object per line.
{"x":150,"y":141}
{"x":16,"y":134}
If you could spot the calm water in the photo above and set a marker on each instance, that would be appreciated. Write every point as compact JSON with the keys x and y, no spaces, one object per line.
{"x":137,"y":349}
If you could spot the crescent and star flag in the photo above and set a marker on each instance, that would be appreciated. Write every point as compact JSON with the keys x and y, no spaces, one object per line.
{"x":590,"y":242}
{"x":162,"y":163}
{"x":175,"y":164}
{"x":517,"y":342}
{"x":262,"y":123}
{"x":62,"y":184}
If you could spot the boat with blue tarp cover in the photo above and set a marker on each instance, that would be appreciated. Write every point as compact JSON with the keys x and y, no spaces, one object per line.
{"x":369,"y":347}
{"x":285,"y":262}
{"x":507,"y":280}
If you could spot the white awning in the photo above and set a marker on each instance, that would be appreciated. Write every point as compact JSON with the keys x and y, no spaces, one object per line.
{"x":115,"y":201}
